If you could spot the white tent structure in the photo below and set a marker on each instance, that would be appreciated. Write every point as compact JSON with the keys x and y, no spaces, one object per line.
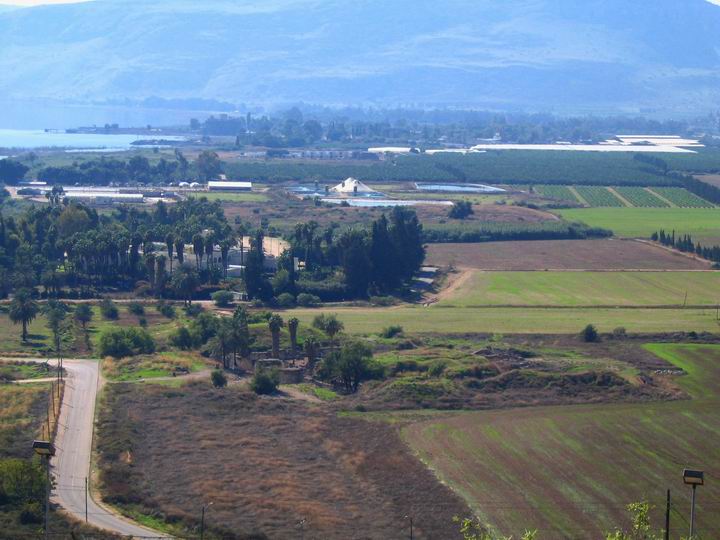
{"x":352,"y":186}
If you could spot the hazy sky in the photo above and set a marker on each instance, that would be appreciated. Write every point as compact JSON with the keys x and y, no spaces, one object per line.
{"x":41,"y":2}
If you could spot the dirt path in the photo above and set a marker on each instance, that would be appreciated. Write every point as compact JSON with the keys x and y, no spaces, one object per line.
{"x":294,"y":393}
{"x":672,"y":204}
{"x":71,"y":464}
{"x":623,"y":199}
{"x":578,"y":196}
{"x":455,"y":282}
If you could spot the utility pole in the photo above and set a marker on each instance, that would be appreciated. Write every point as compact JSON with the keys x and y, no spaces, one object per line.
{"x":692,"y":514}
{"x":667,"y":516}
{"x":47,"y":497}
{"x":86,"y":499}
{"x":409,"y":517}
{"x":202,"y":520}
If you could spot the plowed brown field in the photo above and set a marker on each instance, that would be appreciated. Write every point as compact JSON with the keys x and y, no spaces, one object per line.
{"x":561,"y":255}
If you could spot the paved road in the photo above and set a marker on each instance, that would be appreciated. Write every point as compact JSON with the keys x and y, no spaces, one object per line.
{"x":71,"y":465}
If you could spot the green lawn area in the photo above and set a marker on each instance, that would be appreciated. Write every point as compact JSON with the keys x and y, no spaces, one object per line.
{"x":588,"y":288}
{"x":452,"y":320}
{"x":569,"y":471}
{"x":701,"y":223}
{"x":161,"y":364}
{"x":234,"y":197}
{"x":38,"y":335}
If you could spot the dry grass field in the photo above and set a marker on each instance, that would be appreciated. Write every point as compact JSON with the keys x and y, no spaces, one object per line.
{"x":561,"y":255}
{"x":267,"y":464}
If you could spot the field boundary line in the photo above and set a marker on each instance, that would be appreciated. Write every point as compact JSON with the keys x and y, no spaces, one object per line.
{"x":672,"y":204}
{"x":578,"y":196}
{"x":622,"y":199}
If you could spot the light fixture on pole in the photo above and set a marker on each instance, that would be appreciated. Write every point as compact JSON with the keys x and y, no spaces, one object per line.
{"x":693,"y":478}
{"x":411,"y":526}
{"x":45,"y":449}
{"x":202,"y":519}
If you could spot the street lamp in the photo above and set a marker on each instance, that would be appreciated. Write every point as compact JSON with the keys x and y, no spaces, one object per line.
{"x":45,"y":449}
{"x":202,"y":519}
{"x":411,"y":526}
{"x":694,"y":479}
{"x":301,"y":524}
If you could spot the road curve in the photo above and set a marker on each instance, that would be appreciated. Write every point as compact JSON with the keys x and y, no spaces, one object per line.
{"x":71,"y":465}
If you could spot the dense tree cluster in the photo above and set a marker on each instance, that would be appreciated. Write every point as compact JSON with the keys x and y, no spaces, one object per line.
{"x":136,"y":170}
{"x":686,"y":244}
{"x":379,"y":259}
{"x":71,"y":246}
{"x":296,"y":128}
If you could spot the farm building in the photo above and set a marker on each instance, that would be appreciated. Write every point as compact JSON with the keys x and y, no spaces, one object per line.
{"x":225,"y":185}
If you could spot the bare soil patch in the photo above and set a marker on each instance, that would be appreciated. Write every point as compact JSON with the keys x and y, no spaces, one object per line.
{"x":712,"y":179}
{"x":610,"y":254}
{"x":266,"y":463}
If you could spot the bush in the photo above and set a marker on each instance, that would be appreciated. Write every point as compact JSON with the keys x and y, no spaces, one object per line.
{"x":109,"y":310}
{"x":437,"y":368}
{"x":265,"y":381}
{"x":119,"y":342}
{"x":589,"y":334}
{"x":620,"y":332}
{"x":31,"y":514}
{"x":307,"y":300}
{"x":136,"y":308}
{"x":222,"y":298}
{"x":286,"y":300}
{"x":182,"y":338}
{"x":218,"y":378}
{"x":391,"y":331}
{"x":142,"y":321}
{"x":193,"y":310}
{"x":166,"y":310}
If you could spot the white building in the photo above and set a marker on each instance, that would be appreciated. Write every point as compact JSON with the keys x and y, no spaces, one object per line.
{"x":224,"y":185}
{"x":352,"y":186}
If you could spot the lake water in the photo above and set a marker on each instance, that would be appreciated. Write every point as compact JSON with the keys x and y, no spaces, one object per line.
{"x":23,"y":138}
{"x":459,"y":188}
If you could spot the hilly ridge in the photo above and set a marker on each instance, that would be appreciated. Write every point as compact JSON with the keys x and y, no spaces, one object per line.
{"x":539,"y":54}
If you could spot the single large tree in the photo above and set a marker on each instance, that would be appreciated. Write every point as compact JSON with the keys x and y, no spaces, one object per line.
{"x":275,"y":323}
{"x":23,"y":309}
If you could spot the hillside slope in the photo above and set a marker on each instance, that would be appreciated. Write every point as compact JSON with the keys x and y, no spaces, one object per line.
{"x":543,"y":54}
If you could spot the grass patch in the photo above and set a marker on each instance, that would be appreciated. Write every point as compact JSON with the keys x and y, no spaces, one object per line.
{"x":642,"y":222}
{"x":152,"y":366}
{"x":318,"y":391}
{"x":587,"y":288}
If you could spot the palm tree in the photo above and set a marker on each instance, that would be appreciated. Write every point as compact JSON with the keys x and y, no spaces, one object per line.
{"x":180,"y":249}
{"x":224,"y":338}
{"x":292,"y":328}
{"x":23,"y":309}
{"x":170,"y":243}
{"x":198,"y":244}
{"x":184,"y":283}
{"x":241,"y":333}
{"x":333,"y":326}
{"x":312,"y":347}
{"x":275,"y":323}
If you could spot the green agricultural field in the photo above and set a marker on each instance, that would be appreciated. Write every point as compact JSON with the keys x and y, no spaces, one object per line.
{"x":598,"y":196}
{"x":569,"y":471}
{"x":457,"y":320}
{"x":588,"y":288}
{"x":642,"y":222}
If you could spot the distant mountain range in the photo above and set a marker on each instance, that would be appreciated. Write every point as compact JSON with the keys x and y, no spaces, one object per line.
{"x":546,"y":55}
